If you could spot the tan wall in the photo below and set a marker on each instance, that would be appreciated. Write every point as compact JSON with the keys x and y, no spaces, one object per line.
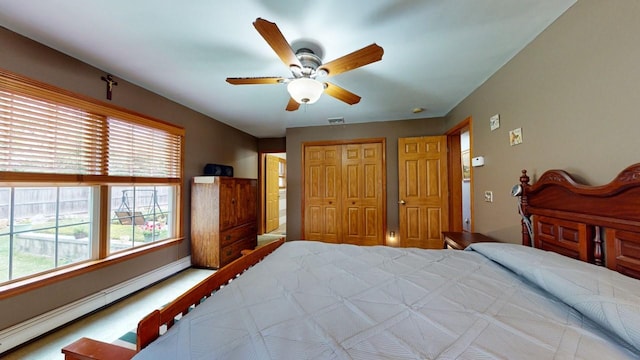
{"x":574,"y":91}
{"x":207,"y":141}
{"x":391,"y":130}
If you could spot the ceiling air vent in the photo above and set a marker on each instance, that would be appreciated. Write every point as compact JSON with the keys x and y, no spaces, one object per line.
{"x":336,"y":120}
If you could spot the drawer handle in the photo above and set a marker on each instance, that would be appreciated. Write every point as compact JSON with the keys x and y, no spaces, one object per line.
{"x":229,"y":252}
{"x":228,"y":237}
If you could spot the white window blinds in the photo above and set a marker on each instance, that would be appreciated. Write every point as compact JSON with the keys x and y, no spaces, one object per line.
{"x":137,"y":150}
{"x":39,"y":136}
{"x":43,"y":133}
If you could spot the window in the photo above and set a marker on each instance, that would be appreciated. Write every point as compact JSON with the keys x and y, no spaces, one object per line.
{"x":59,"y":155}
{"x":142,"y":214}
{"x":42,"y":228}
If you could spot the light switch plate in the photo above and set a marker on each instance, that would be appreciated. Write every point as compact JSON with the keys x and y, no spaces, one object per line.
{"x":477,"y":161}
{"x":488,"y":196}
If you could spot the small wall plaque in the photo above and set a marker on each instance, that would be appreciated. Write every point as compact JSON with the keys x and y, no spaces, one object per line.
{"x":515,"y":136}
{"x":494,"y":122}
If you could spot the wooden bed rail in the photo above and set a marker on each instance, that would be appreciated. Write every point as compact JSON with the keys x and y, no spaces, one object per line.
{"x":149,"y":327}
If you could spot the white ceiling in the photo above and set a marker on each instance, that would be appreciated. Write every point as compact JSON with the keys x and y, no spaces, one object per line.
{"x":436,"y":52}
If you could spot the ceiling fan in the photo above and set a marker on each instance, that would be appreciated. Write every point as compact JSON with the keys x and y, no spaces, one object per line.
{"x":306,"y":67}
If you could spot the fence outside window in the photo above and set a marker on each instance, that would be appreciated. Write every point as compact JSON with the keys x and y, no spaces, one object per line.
{"x":60,"y":153}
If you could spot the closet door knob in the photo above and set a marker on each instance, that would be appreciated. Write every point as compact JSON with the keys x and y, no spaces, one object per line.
{"x":401,"y":202}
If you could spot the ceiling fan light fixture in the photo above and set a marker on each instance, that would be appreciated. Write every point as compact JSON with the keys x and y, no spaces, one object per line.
{"x":305,"y":90}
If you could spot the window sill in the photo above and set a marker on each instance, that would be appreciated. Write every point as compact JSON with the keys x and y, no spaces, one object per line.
{"x":25,"y":285}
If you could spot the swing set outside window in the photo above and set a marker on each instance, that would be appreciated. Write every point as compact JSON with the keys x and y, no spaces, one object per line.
{"x":60,"y":154}
{"x":143,"y":215}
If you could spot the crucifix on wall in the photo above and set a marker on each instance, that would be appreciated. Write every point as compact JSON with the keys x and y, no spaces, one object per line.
{"x":110,"y":84}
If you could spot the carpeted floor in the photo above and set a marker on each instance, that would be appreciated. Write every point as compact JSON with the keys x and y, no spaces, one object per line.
{"x":267,"y":238}
{"x":280,"y":232}
{"x":112,"y":322}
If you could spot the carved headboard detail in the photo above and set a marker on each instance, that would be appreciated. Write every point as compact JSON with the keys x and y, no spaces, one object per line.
{"x":597,"y":224}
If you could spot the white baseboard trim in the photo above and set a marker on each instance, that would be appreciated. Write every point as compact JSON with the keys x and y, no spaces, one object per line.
{"x":39,"y":325}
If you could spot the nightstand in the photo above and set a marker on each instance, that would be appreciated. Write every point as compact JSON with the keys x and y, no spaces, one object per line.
{"x":460,"y":240}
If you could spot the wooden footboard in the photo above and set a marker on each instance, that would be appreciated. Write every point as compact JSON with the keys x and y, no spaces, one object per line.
{"x":150,"y":326}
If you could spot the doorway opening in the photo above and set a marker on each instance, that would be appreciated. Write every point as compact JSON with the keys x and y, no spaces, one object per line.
{"x":273,"y":197}
{"x":460,"y":144}
{"x":465,"y":162}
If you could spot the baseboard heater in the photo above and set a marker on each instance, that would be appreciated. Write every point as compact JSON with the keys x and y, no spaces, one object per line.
{"x":40,"y":325}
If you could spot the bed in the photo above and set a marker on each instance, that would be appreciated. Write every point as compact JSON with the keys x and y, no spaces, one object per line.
{"x":574,"y":294}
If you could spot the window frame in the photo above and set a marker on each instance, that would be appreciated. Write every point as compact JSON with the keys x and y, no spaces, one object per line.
{"x":16,"y":83}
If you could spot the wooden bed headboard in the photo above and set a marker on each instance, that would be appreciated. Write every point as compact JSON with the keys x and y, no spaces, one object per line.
{"x":597,"y":224}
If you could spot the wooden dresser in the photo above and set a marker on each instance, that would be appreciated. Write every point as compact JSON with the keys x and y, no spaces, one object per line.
{"x":223,"y":219}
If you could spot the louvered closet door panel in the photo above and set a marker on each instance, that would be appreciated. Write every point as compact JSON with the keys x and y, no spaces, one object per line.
{"x":322,"y":192}
{"x":363,"y":193}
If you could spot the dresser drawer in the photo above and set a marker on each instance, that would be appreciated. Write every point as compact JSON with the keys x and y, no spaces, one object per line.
{"x":230,"y":236}
{"x":232,"y":252}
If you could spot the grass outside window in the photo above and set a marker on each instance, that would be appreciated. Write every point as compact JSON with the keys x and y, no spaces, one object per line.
{"x":65,"y":160}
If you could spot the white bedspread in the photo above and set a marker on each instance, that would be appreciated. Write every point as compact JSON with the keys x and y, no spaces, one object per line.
{"x":310,"y":300}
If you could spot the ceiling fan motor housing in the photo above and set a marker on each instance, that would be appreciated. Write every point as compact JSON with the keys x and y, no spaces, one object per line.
{"x":309,"y":60}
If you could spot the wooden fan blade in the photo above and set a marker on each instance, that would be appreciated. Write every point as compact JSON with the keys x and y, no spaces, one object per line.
{"x":341,"y":94}
{"x":276,"y":40}
{"x":292,"y":105}
{"x":255,"y":80}
{"x":356,"y":59}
